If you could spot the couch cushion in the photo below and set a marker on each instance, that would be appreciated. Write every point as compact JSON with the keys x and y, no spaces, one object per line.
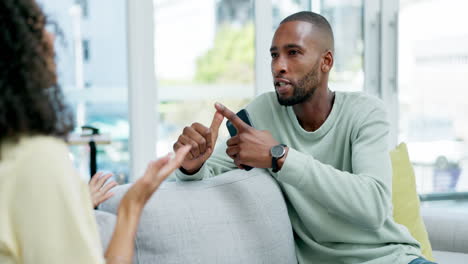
{"x":450,"y":257}
{"x":448,"y":229}
{"x":237,"y":217}
{"x":106,"y":223}
{"x":405,"y":199}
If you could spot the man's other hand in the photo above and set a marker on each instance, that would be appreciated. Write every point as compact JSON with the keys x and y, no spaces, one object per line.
{"x":202,"y":140}
{"x":250,"y":146}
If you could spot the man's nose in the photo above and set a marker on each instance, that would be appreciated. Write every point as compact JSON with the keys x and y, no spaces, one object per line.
{"x":279,"y":67}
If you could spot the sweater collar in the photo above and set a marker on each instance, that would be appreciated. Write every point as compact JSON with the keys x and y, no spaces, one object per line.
{"x":326,"y":126}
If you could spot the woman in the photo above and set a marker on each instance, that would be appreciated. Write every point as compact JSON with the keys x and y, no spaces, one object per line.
{"x":45,"y":209}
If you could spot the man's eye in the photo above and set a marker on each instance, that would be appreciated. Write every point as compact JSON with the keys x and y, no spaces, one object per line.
{"x":292,"y":52}
{"x":274,"y":55}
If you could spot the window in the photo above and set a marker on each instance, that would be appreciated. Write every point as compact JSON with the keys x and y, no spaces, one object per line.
{"x":204,"y":52}
{"x":347,"y":20}
{"x":433,"y":75}
{"x":282,"y":9}
{"x":95,"y":86}
{"x":86,"y":50}
{"x":84,"y":7}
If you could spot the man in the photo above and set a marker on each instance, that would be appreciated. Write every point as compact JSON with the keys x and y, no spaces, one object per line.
{"x":327,"y":150}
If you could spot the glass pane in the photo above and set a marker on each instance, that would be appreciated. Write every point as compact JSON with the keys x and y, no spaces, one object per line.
{"x":204,"y":53}
{"x":284,"y":8}
{"x":347,"y":20}
{"x":91,"y":50}
{"x":433,"y":74}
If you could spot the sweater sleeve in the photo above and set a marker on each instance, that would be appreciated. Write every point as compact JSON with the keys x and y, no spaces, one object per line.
{"x":363,"y":196}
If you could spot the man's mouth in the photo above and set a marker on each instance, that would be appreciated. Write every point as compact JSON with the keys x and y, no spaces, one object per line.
{"x":282,"y":85}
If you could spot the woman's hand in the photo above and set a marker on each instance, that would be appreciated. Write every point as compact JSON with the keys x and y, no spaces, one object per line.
{"x":156,"y":172}
{"x":121,"y":246}
{"x":99,"y":189}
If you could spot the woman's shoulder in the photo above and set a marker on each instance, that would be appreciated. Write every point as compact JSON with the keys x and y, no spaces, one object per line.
{"x":32,"y":145}
{"x":41,"y":141}
{"x":33,"y":152}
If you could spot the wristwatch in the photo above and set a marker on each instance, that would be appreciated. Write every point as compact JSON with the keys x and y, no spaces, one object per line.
{"x":277,"y":152}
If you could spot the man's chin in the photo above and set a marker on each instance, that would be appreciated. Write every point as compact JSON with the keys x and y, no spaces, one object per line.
{"x":285,"y":100}
{"x":295,"y":99}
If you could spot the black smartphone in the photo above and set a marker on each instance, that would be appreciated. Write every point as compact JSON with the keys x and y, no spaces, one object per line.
{"x":244,"y":116}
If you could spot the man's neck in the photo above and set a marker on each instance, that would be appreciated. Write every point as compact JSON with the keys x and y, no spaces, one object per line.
{"x":313,"y":113}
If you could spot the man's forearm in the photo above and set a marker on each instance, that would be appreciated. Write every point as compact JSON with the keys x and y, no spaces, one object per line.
{"x":362,"y":197}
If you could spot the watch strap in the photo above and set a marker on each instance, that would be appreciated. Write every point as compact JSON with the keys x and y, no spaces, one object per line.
{"x":274,"y":160}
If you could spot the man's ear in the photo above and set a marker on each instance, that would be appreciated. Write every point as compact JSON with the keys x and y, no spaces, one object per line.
{"x":327,"y":61}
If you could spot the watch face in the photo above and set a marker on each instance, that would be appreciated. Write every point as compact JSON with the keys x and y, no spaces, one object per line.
{"x":277,"y":151}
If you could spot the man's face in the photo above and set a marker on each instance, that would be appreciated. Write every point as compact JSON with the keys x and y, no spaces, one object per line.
{"x":296,"y":61}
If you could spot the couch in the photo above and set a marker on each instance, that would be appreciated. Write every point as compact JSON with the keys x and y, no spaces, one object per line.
{"x":241,"y":217}
{"x":448,"y":233}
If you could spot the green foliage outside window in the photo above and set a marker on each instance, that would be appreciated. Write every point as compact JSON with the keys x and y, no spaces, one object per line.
{"x":231,"y":59}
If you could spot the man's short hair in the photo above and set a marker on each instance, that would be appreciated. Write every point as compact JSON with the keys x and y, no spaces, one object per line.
{"x":315,"y":19}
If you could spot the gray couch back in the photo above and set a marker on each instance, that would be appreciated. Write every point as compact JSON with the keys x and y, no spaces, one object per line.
{"x":237,"y":217}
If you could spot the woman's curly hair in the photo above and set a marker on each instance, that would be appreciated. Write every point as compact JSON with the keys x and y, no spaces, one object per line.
{"x":31,"y":102}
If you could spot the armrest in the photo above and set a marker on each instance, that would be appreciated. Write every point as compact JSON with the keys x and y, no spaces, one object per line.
{"x":447,"y":229}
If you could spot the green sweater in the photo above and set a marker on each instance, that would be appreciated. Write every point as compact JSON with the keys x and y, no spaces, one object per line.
{"x":337,"y":181}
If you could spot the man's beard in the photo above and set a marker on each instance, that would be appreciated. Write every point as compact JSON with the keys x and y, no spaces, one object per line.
{"x":304,"y":89}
